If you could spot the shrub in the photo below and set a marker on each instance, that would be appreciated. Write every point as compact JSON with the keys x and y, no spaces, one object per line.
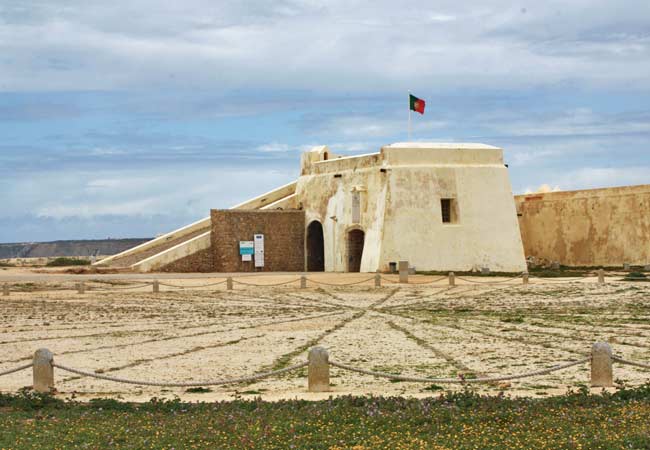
{"x":64,"y":261}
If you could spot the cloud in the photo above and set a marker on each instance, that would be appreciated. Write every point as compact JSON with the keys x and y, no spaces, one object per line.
{"x":302,"y":44}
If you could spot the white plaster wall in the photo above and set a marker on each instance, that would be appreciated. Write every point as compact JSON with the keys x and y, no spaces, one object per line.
{"x":401,"y":214}
{"x":486,"y":233}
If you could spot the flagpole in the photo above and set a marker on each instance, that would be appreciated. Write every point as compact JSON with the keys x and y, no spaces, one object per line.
{"x":409,"y":108}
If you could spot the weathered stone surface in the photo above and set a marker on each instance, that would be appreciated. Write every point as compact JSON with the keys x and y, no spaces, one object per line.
{"x":318,"y":372}
{"x":284,"y":239}
{"x":452,"y":279}
{"x":601,"y":365}
{"x":595,"y":227}
{"x":403,"y":271}
{"x":43,"y":371}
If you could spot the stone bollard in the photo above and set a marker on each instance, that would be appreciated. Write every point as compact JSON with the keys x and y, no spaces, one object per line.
{"x":601,"y":365}
{"x":303,"y":282}
{"x":318,"y":371}
{"x":81,"y":287}
{"x":601,"y":276}
{"x":156,"y":286}
{"x":452,"y":279}
{"x":403,"y":271}
{"x":43,"y":371}
{"x":626,"y":266}
{"x":229,"y":283}
{"x":377,"y":280}
{"x":525,"y":278}
{"x":5,"y":290}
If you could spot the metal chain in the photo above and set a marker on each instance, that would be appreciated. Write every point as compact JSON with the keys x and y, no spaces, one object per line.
{"x":460,"y":379}
{"x":631,"y":363}
{"x":169,"y":384}
{"x":16,"y":369}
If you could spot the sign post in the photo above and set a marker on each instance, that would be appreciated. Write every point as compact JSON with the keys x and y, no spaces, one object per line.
{"x":246,"y":250}
{"x":259,"y":250}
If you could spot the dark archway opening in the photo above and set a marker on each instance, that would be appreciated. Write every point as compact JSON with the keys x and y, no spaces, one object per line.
{"x":315,"y":247}
{"x":356,"y":239}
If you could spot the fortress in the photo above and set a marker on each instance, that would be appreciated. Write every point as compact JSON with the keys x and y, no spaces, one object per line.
{"x":440,"y":206}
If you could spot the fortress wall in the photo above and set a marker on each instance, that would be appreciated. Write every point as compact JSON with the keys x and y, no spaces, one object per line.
{"x":484,"y":231}
{"x":596,"y":227}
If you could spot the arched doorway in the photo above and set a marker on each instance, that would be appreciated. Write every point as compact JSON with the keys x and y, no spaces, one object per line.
{"x":356,"y":239}
{"x":315,"y":247}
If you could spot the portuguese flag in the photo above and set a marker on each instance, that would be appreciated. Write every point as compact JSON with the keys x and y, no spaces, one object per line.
{"x":417,"y":104}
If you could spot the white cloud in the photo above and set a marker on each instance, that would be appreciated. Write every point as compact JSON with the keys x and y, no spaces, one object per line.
{"x":273,"y":147}
{"x":330,"y":45}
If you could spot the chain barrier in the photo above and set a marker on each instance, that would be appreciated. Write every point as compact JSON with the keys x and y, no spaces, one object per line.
{"x":460,"y":378}
{"x":564,"y":280}
{"x":114,"y":288}
{"x":190,"y":384}
{"x":266,"y":285}
{"x":490,"y":282}
{"x":630,"y":363}
{"x":16,"y":369}
{"x":388,"y":280}
{"x":174,"y":286}
{"x":338,"y":284}
{"x":435,"y":280}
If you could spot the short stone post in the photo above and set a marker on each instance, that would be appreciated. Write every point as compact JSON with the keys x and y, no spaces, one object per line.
{"x":5,"y":290}
{"x":525,"y":278}
{"x":81,"y":287}
{"x":229,"y":283}
{"x":303,"y":282}
{"x":452,"y":279}
{"x":601,"y":276}
{"x":403,"y":271}
{"x":318,"y":371}
{"x":156,"y":286}
{"x":377,"y":280}
{"x":43,"y":371}
{"x":626,"y":266}
{"x":601,"y":365}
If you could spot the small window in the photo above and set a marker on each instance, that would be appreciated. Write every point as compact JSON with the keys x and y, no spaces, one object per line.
{"x":448,"y":210}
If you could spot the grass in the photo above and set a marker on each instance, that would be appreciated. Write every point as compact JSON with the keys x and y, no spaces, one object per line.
{"x":562,"y":272}
{"x":447,"y":421}
{"x":63,"y":262}
{"x":6,"y":264}
{"x":636,"y":276}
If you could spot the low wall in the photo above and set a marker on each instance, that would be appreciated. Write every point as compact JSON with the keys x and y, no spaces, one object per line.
{"x":596,"y":227}
{"x":284,"y":239}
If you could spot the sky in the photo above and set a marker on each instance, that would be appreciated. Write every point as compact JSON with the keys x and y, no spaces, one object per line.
{"x":132,"y":118}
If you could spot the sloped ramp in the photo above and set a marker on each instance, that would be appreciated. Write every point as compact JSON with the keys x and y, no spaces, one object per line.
{"x":187,"y":240}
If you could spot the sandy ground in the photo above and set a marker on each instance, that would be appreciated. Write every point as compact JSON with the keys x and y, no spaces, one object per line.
{"x":191,"y":333}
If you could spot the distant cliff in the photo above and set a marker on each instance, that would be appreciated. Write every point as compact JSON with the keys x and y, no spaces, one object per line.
{"x":68,"y":248}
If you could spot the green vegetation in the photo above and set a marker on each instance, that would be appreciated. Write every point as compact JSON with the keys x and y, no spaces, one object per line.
{"x":63,"y":262}
{"x":6,"y":264}
{"x":562,"y":272}
{"x":448,"y":421}
{"x":636,"y":276}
